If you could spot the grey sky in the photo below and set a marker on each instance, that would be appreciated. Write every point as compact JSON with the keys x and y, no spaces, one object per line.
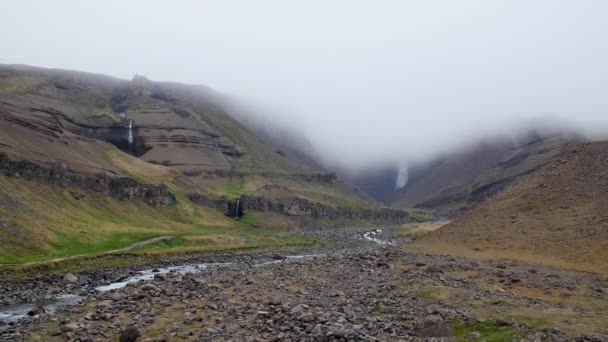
{"x":366,"y":80}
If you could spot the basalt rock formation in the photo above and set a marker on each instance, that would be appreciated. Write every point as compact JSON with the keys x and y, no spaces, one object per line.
{"x":298,"y":207}
{"x":122,"y":188}
{"x":222,"y":204}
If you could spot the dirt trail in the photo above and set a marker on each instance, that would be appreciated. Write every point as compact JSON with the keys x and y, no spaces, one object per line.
{"x":123,"y":249}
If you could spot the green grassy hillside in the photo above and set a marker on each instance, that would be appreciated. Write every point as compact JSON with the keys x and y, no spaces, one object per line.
{"x":43,"y":222}
{"x":182,"y":137}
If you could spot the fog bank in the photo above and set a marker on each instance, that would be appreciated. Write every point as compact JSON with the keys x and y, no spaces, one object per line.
{"x":365,"y":82}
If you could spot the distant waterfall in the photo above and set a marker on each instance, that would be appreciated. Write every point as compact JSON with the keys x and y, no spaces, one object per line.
{"x":236,"y":215}
{"x":130,"y":132}
{"x":401,"y":177}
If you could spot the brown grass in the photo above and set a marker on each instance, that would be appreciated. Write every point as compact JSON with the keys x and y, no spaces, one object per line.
{"x":558,"y":216}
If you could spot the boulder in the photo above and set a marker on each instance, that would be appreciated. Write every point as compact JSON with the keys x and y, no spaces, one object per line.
{"x":69,"y":278}
{"x":36,"y":311}
{"x":474,"y":335}
{"x":433,"y":326}
{"x":275,"y":301}
{"x":70,"y":327}
{"x":83,"y":280}
{"x":503,"y":322}
{"x":130,"y":334}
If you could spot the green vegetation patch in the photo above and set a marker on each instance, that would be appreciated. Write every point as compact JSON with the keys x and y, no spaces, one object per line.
{"x":377,"y":310}
{"x":51,"y":222}
{"x":433,"y":293}
{"x":249,"y":220}
{"x":44,"y":331}
{"x":428,"y":294}
{"x":536,"y":322}
{"x":222,"y":241}
{"x":420,"y":215}
{"x":114,"y":153}
{"x":234,"y":188}
{"x":19,"y":84}
{"x":95,"y":263}
{"x":488,"y":331}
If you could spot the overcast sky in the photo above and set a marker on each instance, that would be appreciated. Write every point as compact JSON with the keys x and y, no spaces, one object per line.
{"x":366,"y":80}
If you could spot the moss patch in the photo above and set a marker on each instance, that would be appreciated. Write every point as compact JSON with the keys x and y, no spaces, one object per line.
{"x":19,"y":84}
{"x":428,"y":294}
{"x":433,"y":293}
{"x":234,"y":188}
{"x":488,"y":331}
{"x":420,"y":215}
{"x":249,"y":219}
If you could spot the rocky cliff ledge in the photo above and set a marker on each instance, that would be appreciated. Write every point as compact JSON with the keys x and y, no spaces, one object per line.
{"x":296,"y":206}
{"x":122,"y":188}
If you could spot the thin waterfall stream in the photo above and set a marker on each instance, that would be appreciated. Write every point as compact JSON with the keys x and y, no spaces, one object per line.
{"x":236,"y":213}
{"x":130,"y":132}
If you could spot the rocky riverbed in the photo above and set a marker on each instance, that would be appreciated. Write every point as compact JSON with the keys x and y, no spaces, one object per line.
{"x":365,"y":286}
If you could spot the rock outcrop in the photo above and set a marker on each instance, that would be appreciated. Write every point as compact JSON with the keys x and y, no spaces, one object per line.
{"x":122,"y":188}
{"x":297,"y":206}
{"x":222,"y":204}
{"x":323,"y":178}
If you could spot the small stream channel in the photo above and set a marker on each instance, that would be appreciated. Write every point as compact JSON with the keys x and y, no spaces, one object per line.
{"x":373,"y":237}
{"x":16,"y":312}
{"x":12,"y":313}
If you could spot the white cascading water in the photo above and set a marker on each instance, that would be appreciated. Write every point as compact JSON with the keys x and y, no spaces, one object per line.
{"x":131,"y":132}
{"x":401,"y":177}
{"x":236,"y":216}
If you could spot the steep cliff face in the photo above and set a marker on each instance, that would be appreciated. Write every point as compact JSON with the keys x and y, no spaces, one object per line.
{"x":299,"y":207}
{"x":183,"y":126}
{"x":50,"y":115}
{"x":222,"y":204}
{"x":122,"y":188}
{"x":302,"y":207}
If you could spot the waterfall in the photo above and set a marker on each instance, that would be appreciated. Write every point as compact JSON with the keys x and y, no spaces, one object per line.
{"x":236,"y":216}
{"x":401,"y":177}
{"x":130,"y":132}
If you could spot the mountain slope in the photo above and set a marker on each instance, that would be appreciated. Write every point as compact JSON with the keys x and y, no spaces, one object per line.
{"x":173,"y":124}
{"x":558,"y":215}
{"x":451,"y":183}
{"x":86,"y":161}
{"x":55,"y":115}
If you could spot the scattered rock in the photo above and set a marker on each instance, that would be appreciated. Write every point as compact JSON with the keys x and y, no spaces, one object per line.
{"x":36,"y":311}
{"x":434,"y":269}
{"x":275,"y":301}
{"x":70,"y":327}
{"x":474,"y":335}
{"x":130,"y":334}
{"x":69,"y":278}
{"x":433,"y":326}
{"x":503,"y":323}
{"x":344,"y":296}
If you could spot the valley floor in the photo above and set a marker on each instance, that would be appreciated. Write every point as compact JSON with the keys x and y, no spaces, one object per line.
{"x":363,"y":286}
